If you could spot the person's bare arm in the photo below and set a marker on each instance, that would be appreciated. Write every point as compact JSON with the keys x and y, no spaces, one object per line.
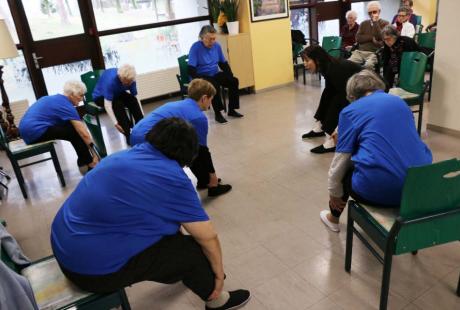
{"x":82,"y":131}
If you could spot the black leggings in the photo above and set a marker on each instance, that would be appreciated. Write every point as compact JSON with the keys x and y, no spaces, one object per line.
{"x":202,"y":166}
{"x":229,"y":81}
{"x":172,"y":259}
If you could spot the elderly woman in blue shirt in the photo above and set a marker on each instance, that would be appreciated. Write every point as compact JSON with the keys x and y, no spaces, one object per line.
{"x":207,"y":61}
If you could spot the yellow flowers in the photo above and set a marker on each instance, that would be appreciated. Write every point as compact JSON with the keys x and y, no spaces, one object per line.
{"x":222,"y":19}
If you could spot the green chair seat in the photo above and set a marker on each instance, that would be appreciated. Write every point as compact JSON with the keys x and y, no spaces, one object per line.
{"x":385,"y":217}
{"x":403,"y":94}
{"x":19,"y":146}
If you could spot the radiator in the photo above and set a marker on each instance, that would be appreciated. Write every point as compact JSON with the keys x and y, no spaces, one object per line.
{"x":157,"y":83}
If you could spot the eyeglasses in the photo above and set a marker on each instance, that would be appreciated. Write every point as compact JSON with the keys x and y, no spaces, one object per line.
{"x":373,"y":12}
{"x":399,"y":15}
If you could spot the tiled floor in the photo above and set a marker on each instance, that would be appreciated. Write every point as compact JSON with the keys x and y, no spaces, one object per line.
{"x":273,"y":241}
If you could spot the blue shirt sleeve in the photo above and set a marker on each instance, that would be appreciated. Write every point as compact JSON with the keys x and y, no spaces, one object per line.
{"x":133,"y":89}
{"x":109,"y":91}
{"x":201,"y":128}
{"x":193,"y":56}
{"x":220,"y":53}
{"x":67,"y":112}
{"x":348,"y":135}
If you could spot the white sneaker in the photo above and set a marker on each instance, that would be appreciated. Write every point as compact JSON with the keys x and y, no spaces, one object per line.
{"x":332,"y":226}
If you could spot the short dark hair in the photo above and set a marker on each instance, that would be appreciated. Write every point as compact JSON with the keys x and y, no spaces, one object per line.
{"x":176,"y":139}
{"x":316,"y":53}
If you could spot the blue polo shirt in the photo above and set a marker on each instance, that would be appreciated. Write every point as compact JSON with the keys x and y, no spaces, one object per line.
{"x":379,"y":131}
{"x":187,"y":109}
{"x":126,"y":204}
{"x":46,"y":112}
{"x":205,"y":59}
{"x":109,"y":86}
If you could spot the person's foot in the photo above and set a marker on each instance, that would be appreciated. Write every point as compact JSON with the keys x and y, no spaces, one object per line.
{"x":325,"y":218}
{"x":313,"y":134}
{"x":205,"y":186}
{"x":321,"y":149}
{"x":237,"y":300}
{"x":218,"y":190}
{"x":234,"y":113}
{"x":220,"y":119}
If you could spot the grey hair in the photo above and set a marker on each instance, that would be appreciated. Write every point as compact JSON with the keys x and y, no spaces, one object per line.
{"x":374,"y":4}
{"x":362,"y":83}
{"x":391,"y":31}
{"x":205,"y":30}
{"x":74,"y":88}
{"x":352,"y":14}
{"x":404,"y":9}
{"x":127,"y":72}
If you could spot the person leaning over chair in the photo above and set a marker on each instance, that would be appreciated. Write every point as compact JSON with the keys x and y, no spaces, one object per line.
{"x":377,"y":143}
{"x":395,"y":46}
{"x":122,"y":223}
{"x":402,"y":24}
{"x":55,"y":117}
{"x":336,"y":73}
{"x":111,"y":93}
{"x":200,"y":95}
{"x":369,"y":37}
{"x":207,"y":61}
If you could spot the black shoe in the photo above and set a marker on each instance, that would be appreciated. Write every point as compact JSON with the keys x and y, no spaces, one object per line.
{"x":233,"y":113}
{"x":205,"y":186}
{"x":313,"y":134}
{"x":218,"y":190}
{"x":220,"y":119}
{"x":321,"y":149}
{"x":237,"y":300}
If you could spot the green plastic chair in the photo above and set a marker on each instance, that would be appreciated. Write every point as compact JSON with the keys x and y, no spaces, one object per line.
{"x":296,"y":50}
{"x":429,"y":215}
{"x":332,"y":45}
{"x":427,"y":41}
{"x":90,"y":79}
{"x":94,"y":128}
{"x":18,"y":150}
{"x":412,"y":87}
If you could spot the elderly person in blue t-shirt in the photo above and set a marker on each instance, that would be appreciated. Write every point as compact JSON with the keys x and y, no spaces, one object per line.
{"x":111,"y":92}
{"x":377,"y":143}
{"x":200,"y":95}
{"x":207,"y":61}
{"x":55,"y":117}
{"x":122,"y":223}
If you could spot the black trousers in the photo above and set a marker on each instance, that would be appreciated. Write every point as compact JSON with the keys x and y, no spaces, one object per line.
{"x":389,"y":77}
{"x":124,"y":100}
{"x":348,"y":191}
{"x":67,"y":132}
{"x":229,"y":81}
{"x":329,"y":109}
{"x":170,"y":260}
{"x":202,"y":166}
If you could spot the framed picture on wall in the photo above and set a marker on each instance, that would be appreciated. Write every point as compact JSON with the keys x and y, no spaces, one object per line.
{"x":268,"y":9}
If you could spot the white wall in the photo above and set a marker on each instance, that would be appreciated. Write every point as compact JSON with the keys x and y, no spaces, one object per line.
{"x":445,"y":100}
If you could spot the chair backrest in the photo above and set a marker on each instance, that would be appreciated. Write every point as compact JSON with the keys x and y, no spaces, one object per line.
{"x":183,"y":69}
{"x":18,"y":109}
{"x":412,"y":72}
{"x":332,"y":45}
{"x":90,"y":80}
{"x":4,"y":140}
{"x":430,"y":190}
{"x":427,"y":39}
{"x":296,"y":49}
{"x":418,"y":18}
{"x":96,"y":132}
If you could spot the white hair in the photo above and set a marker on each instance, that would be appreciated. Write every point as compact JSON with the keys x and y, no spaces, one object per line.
{"x":127,"y":72}
{"x":374,"y":5}
{"x":362,"y":83}
{"x":351,"y":13}
{"x":74,"y":88}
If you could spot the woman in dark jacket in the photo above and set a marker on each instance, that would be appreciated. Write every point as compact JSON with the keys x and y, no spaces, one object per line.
{"x":336,"y":73}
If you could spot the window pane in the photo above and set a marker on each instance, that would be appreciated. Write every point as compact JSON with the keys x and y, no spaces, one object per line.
{"x":16,"y":79}
{"x":51,"y":19}
{"x":154,"y":49}
{"x":328,"y":28}
{"x":5,"y":13}
{"x":56,"y":76}
{"x":119,"y":14}
{"x":300,"y":21}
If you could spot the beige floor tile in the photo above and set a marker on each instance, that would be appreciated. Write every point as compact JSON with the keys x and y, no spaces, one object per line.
{"x":443,"y":295}
{"x":325,"y":304}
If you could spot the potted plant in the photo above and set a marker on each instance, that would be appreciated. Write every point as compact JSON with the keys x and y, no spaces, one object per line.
{"x":214,"y":10}
{"x":230,"y":9}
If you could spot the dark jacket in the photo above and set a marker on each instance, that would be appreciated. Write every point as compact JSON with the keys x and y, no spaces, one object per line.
{"x":370,"y":30}
{"x":349,"y":35}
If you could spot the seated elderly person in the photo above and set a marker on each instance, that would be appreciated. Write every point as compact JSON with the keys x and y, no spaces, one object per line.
{"x":349,"y":30}
{"x":207,"y":61}
{"x":402,"y":24}
{"x":111,"y":92}
{"x":369,"y":37}
{"x":122,"y":223}
{"x":395,"y":45}
{"x":200,"y":95}
{"x":412,"y":17}
{"x":377,"y":143}
{"x":55,"y":117}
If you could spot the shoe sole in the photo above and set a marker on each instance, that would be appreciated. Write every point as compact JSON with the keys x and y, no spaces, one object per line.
{"x":241,"y":305}
{"x":333,"y":229}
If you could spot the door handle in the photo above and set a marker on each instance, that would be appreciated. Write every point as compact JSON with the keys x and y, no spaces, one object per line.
{"x":36,"y":58}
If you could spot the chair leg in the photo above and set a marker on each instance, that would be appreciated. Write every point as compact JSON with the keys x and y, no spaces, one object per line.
{"x":414,"y":252}
{"x":458,"y":287}
{"x":349,"y":245}
{"x":420,"y":119}
{"x":386,"y":279}
{"x":304,"y":71}
{"x":57,"y":166}
{"x":18,"y":173}
{"x":124,"y":300}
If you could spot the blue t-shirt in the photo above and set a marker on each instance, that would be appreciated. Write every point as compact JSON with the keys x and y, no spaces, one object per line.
{"x":46,"y":112}
{"x":187,"y":109}
{"x":126,"y":204}
{"x":109,"y":86}
{"x":379,"y":131}
{"x":206,"y":60}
